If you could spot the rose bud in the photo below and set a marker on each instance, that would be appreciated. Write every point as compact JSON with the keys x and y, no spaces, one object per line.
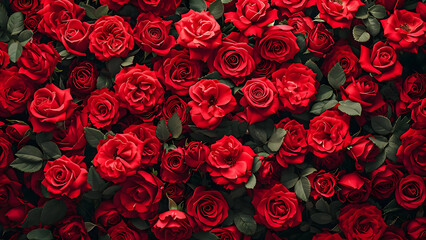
{"x":294,"y":146}
{"x":411,"y":192}
{"x":354,"y":188}
{"x":13,"y":216}
{"x":323,"y":184}
{"x":173,"y":167}
{"x":173,"y":224}
{"x":362,"y":150}
{"x":74,"y":35}
{"x":175,"y":104}
{"x":82,"y":78}
{"x":196,"y":154}
{"x":300,"y":23}
{"x":384,"y":180}
{"x":18,"y":132}
{"x":269,"y":172}
{"x":391,"y":5}
{"x":175,"y":191}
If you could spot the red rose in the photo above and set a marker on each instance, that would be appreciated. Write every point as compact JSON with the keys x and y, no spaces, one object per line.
{"x":393,"y":233}
{"x":327,"y":236}
{"x":419,"y":115}
{"x":328,"y":133}
{"x":230,"y":162}
{"x":66,"y":177}
{"x":173,"y":167}
{"x":139,"y":90}
{"x":225,"y":233}
{"x":32,"y":21}
{"x":122,"y":232}
{"x":10,"y":189}
{"x":23,"y":6}
{"x":173,"y":105}
{"x":391,"y":5}
{"x":139,"y":196}
{"x":260,"y":100}
{"x":151,"y":34}
{"x":342,"y":53}
{"x":71,"y":228}
{"x":118,"y":157}
{"x":173,"y":224}
{"x":175,"y":191}
{"x":411,"y":192}
{"x":82,"y":78}
{"x":338,"y":14}
{"x":114,"y":4}
{"x":411,"y":91}
{"x":252,"y":16}
{"x":211,"y":101}
{"x":405,"y":31}
{"x":159,"y":7}
{"x":361,"y":221}
{"x":416,"y":228}
{"x":196,"y":154}
{"x":294,"y":146}
{"x":50,"y":106}
{"x":354,"y":188}
{"x":103,"y":108}
{"x":300,"y":23}
{"x":18,"y":132}
{"x":208,"y":208}
{"x":38,"y":61}
{"x":107,"y":215}
{"x":382,"y":61}
{"x":269,"y":172}
{"x":111,"y":37}
{"x":14,"y":216}
{"x":362,"y":150}
{"x":323,"y":184}
{"x":320,"y":41}
{"x":4,"y":56}
{"x":264,"y":68}
{"x":277,"y":43}
{"x":384,"y":180}
{"x":412,"y":151}
{"x":74,"y":35}
{"x":421,"y":9}
{"x":200,"y":33}
{"x":331,"y":161}
{"x":277,"y":208}
{"x":288,"y":7}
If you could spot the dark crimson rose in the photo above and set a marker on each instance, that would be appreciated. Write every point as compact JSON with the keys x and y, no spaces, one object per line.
{"x":111,"y":37}
{"x":260,"y":100}
{"x":6,"y":154}
{"x":196,"y":154}
{"x":175,"y":191}
{"x":411,"y":91}
{"x":342,"y":53}
{"x":71,"y":139}
{"x":175,"y":104}
{"x":362,"y":150}
{"x":393,"y":233}
{"x":139,"y":196}
{"x":200,"y":33}
{"x":353,"y":188}
{"x":331,"y":161}
{"x":178,"y":72}
{"x":103,"y":108}
{"x":122,"y":232}
{"x":277,"y":208}
{"x":10,"y":189}
{"x":272,"y":236}
{"x":23,"y":6}
{"x":49,"y":107}
{"x":32,"y":20}
{"x":294,"y":146}
{"x":227,"y":233}
{"x":384,"y":180}
{"x":82,"y":78}
{"x":118,"y":157}
{"x":269,"y":171}
{"x":300,"y":23}
{"x":151,"y":147}
{"x":139,"y":90}
{"x":405,"y":31}
{"x":382,"y":61}
{"x":173,"y":167}
{"x":277,"y":43}
{"x":107,"y":215}
{"x":328,"y":133}
{"x":211,"y":101}
{"x":66,"y":177}
{"x":296,"y":86}
{"x":338,"y":14}
{"x":288,"y":7}
{"x":159,"y":7}
{"x":327,"y":236}
{"x":421,"y":9}
{"x":14,"y":216}
{"x":412,"y":152}
{"x":418,"y":115}
{"x":323,"y":184}
{"x":74,"y":35}
{"x":71,"y":228}
{"x":114,"y":4}
{"x":320,"y":41}
{"x":18,"y":132}
{"x":4,"y":56}
{"x":151,"y":34}
{"x":411,"y":192}
{"x":416,"y":228}
{"x":38,"y":61}
{"x":252,"y":16}
{"x":230,"y":162}
{"x":361,"y":221}
{"x":173,"y":224}
{"x":208,"y":208}
{"x":391,"y":5}
{"x":264,"y":68}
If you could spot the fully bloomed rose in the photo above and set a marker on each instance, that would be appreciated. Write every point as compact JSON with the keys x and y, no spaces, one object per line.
{"x":277,"y":43}
{"x":277,"y":208}
{"x":159,"y":7}
{"x":342,"y":53}
{"x":338,"y":14}
{"x":71,"y":139}
{"x":102,"y":108}
{"x":24,"y":6}
{"x":300,"y":23}
{"x":74,"y":35}
{"x":411,"y":192}
{"x":230,"y":162}
{"x":294,"y":146}
{"x":416,"y":228}
{"x":82,"y":78}
{"x":384,"y":180}
{"x":320,"y":41}
{"x":412,"y":152}
{"x":354,"y":188}
{"x":173,"y":167}
{"x":411,"y":91}
{"x":71,"y":228}
{"x":323,"y":184}
{"x":32,"y":20}
{"x":107,"y":215}
{"x":173,"y":224}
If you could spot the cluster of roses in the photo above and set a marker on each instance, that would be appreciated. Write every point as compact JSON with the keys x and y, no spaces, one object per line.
{"x":106,"y":125}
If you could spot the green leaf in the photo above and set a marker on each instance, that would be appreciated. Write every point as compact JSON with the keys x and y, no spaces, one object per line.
{"x":226,"y":1}
{"x":162,"y":131}
{"x":26,"y":166}
{"x":205,"y":236}
{"x":307,"y":171}
{"x":257,"y":163}
{"x":53,"y":211}
{"x":25,"y":36}
{"x":105,"y":237}
{"x":216,"y":9}
{"x":301,"y":42}
{"x":101,"y":11}
{"x":402,"y":124}
{"x":174,"y":125}
{"x":15,"y":24}
{"x":111,"y":190}
{"x":362,"y":12}
{"x":95,"y":181}
{"x":197,"y":5}
{"x":360,"y":33}
{"x":324,"y":92}
{"x":3,"y":17}
{"x":212,"y":75}
{"x":336,"y":76}
{"x":114,"y":65}
{"x":392,"y":148}
{"x":314,"y":67}
{"x":380,"y":141}
{"x":350,"y":108}
{"x":378,"y":11}
{"x":276,"y":140}
{"x":303,"y":188}
{"x":93,"y":136}
{"x":172,"y":204}
{"x":373,"y":25}
{"x":139,"y":224}
{"x":15,"y":50}
{"x":289,"y":177}
{"x":322,"y":205}
{"x":258,"y":132}
{"x":33,"y":218}
{"x":104,"y":81}
{"x":128,"y":61}
{"x":245,"y":224}
{"x":251,"y":183}
{"x":381,"y":125}
{"x":40,"y":234}
{"x":321,"y":218}
{"x":30,"y":153}
{"x":89,"y":226}
{"x":51,"y":150}
{"x":380,"y":159}
{"x":227,"y":82}
{"x":89,"y":10}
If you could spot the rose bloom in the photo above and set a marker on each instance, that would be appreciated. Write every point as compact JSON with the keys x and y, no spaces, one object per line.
{"x":139,"y":196}
{"x":196,"y":154}
{"x":361,"y":221}
{"x":111,"y":37}
{"x":411,"y":192}
{"x":82,"y":78}
{"x":393,"y":233}
{"x":391,"y":5}
{"x":173,"y":105}
{"x":175,"y":191}
{"x":328,"y":133}
{"x":421,"y":9}
{"x":405,"y":31}
{"x":320,"y":41}
{"x":288,"y":7}
{"x":118,"y":157}
{"x":294,"y":146}
{"x":416,"y":228}
{"x":342,"y":53}
{"x":211,"y":101}
{"x":277,"y":43}
{"x":277,"y":208}
{"x":18,"y":132}
{"x":264,"y":68}
{"x":338,"y":14}
{"x":32,"y":20}
{"x":252,"y":16}
{"x":71,"y":228}
{"x":269,"y":172}
{"x":331,"y":161}
{"x":10,"y":189}
{"x":363,"y":150}
{"x":354,"y":188}
{"x":173,"y":167}
{"x":74,"y":35}
{"x":23,"y":6}
{"x":412,"y":152}
{"x":50,"y":106}
{"x":122,"y":232}
{"x":384,"y":180}
{"x":102,"y":108}
{"x":418,"y":115}
{"x":107,"y":215}
{"x":323,"y":184}
{"x":327,"y":236}
{"x":200,"y":33}
{"x":159,"y":7}
{"x":4,"y":56}
{"x":230,"y":162}
{"x":411,"y":91}
{"x":173,"y":224}
{"x":225,"y":233}
{"x":300,"y":23}
{"x":14,"y":216}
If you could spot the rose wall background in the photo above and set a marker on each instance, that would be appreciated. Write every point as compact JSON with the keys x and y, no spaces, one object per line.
{"x":225,"y":119}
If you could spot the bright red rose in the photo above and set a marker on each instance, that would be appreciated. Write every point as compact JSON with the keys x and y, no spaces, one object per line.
{"x":230,"y":162}
{"x":405,"y":31}
{"x":323,"y":184}
{"x":173,"y":167}
{"x":354,"y":188}
{"x":74,"y":35}
{"x":277,"y":43}
{"x":418,"y":115}
{"x":6,"y":154}
{"x":122,"y":232}
{"x":411,"y":91}
{"x":200,"y":33}
{"x":175,"y":191}
{"x":362,"y":150}
{"x":411,"y":192}
{"x":139,"y":196}
{"x":361,"y":221}
{"x":320,"y":41}
{"x":277,"y":208}
{"x":412,"y":152}
{"x":159,"y":7}
{"x":103,"y":108}
{"x":421,"y":9}
{"x":173,"y":224}
{"x":338,"y":14}
{"x":416,"y":228}
{"x":252,"y":16}
{"x":294,"y":146}
{"x":342,"y":53}
{"x":208,"y":208}
{"x":111,"y":37}
{"x":50,"y":106}
{"x":211,"y":101}
{"x":10,"y":189}
{"x":225,"y":233}
{"x":23,"y":6}
{"x":288,"y":7}
{"x":82,"y":78}
{"x":196,"y":154}
{"x":118,"y":157}
{"x":4,"y":56}
{"x":327,"y":236}
{"x":114,"y":4}
{"x":38,"y":61}
{"x":384,"y":180}
{"x":300,"y":23}
{"x":71,"y":228}
{"x":173,"y":105}
{"x":107,"y":215}
{"x":328,"y":133}
{"x":393,"y":233}
{"x":269,"y":172}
